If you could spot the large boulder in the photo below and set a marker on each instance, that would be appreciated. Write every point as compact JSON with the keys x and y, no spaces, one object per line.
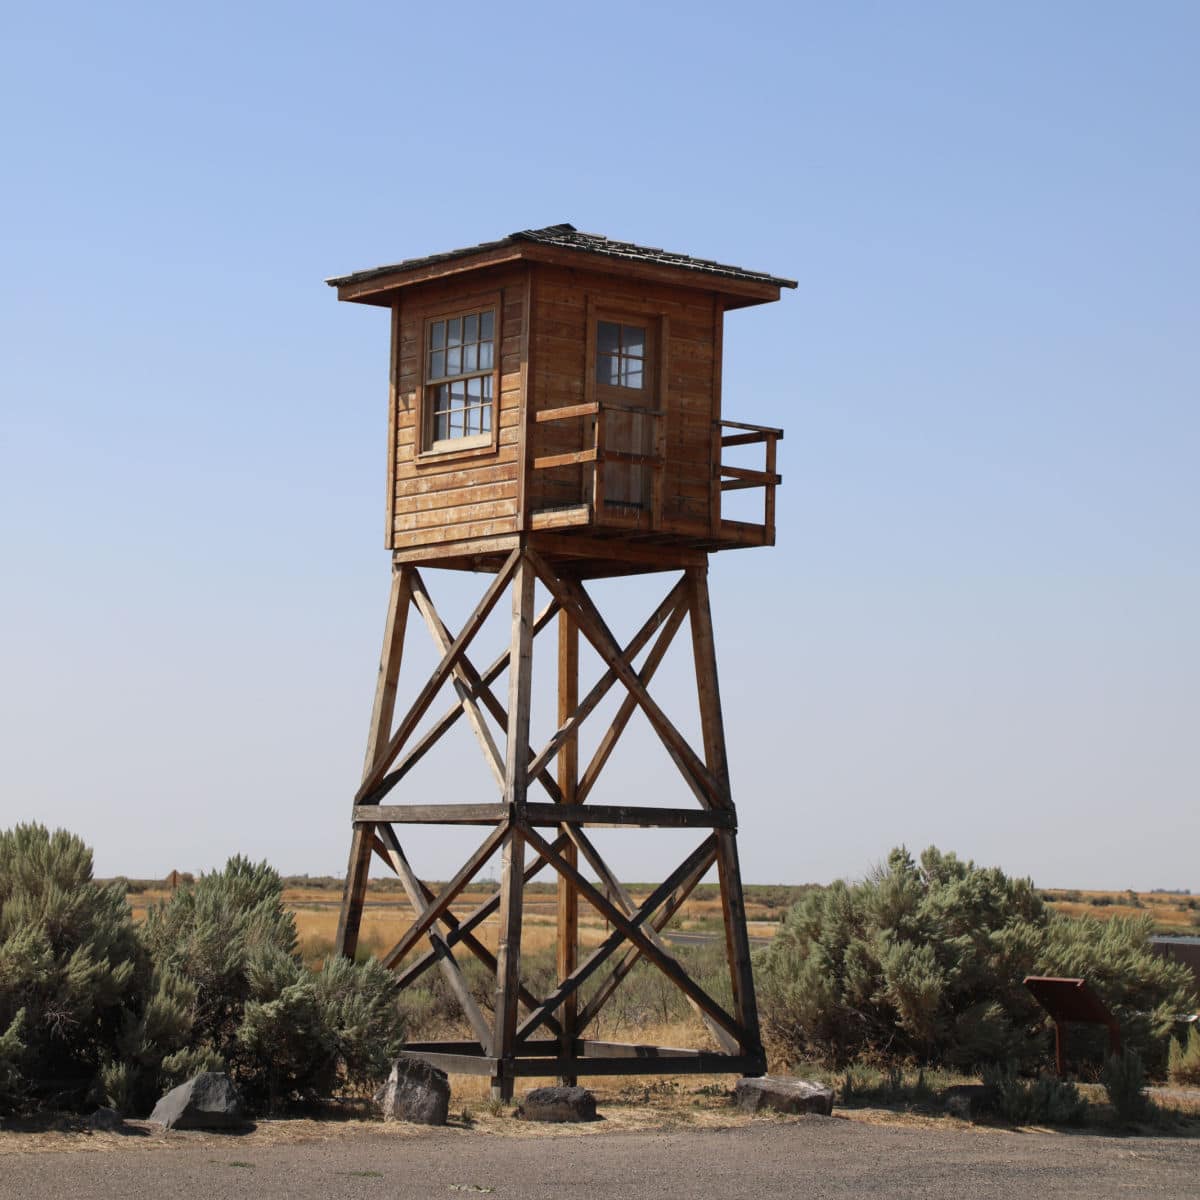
{"x":780,"y":1093}
{"x":210,"y":1100}
{"x":558,"y":1104}
{"x":415,"y":1092}
{"x":107,"y":1120}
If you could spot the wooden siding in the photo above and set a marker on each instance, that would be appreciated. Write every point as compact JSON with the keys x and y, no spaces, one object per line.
{"x":559,"y":338}
{"x":438,"y":498}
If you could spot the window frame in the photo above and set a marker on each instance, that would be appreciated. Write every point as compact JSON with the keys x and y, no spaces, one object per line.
{"x":474,"y":444}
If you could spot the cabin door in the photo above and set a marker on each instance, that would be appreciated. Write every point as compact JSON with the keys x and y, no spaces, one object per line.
{"x":625,"y":387}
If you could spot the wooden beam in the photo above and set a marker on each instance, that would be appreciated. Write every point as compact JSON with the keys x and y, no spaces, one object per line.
{"x":461,"y":680}
{"x":575,"y":600}
{"x":621,"y":896}
{"x":428,"y":914}
{"x":382,"y":714}
{"x":619,"y":816}
{"x":566,"y":412}
{"x":733,"y":906}
{"x":439,"y":676}
{"x":548,"y":461}
{"x":516,"y":783}
{"x":637,"y":918}
{"x":628,"y":704}
{"x":451,"y":715}
{"x":633,"y":955}
{"x":431,"y":814}
{"x":638,"y":936}
{"x":567,"y":908}
{"x":461,"y":929}
{"x":422,"y":902}
{"x":569,"y":726}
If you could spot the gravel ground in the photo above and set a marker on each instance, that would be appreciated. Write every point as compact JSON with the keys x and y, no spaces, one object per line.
{"x":808,"y":1156}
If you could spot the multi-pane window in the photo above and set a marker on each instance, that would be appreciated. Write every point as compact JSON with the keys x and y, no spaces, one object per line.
{"x":459,"y":366}
{"x":620,"y":355}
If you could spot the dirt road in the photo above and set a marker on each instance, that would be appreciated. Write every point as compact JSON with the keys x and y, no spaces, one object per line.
{"x":809,"y":1157}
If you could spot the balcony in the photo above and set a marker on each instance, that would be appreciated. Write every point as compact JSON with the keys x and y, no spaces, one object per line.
{"x":618,"y":480}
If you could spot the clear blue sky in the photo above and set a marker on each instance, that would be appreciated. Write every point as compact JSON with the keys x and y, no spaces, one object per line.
{"x":980,"y":625}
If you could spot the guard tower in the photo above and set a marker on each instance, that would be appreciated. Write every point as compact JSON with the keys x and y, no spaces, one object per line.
{"x":555,"y":415}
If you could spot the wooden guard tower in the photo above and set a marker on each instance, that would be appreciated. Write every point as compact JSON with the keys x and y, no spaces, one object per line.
{"x":555,"y":415}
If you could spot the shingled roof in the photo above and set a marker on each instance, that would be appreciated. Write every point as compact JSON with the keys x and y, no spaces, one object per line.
{"x":567,"y":237}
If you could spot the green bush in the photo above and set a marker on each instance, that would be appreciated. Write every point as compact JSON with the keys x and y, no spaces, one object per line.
{"x":1143,"y":990}
{"x":919,"y":960}
{"x":71,"y":968}
{"x":1042,"y":1101}
{"x":91,"y":1008}
{"x":284,"y":1032}
{"x":926,"y":961}
{"x":1124,"y":1080}
{"x":1183,"y":1065}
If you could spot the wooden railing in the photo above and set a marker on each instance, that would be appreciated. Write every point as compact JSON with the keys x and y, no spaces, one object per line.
{"x":736,"y":478}
{"x":599,"y":452}
{"x":729,"y":478}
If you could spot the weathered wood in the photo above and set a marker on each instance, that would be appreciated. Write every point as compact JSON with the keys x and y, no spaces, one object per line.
{"x":419,"y":897}
{"x":428,"y":914}
{"x":576,"y":601}
{"x":567,"y":947}
{"x":461,"y":930}
{"x":628,"y":704}
{"x":712,"y":725}
{"x":451,"y":715}
{"x":431,"y":814}
{"x":382,"y":714}
{"x":620,"y":895}
{"x":568,"y":727}
{"x":516,"y":781}
{"x":637,"y":918}
{"x":633,"y":955}
{"x":461,"y":680}
{"x":638,"y":936}
{"x":618,"y":816}
{"x":439,"y":676}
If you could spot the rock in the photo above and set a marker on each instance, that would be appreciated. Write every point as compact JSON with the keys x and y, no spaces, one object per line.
{"x":558,"y":1105}
{"x":107,"y":1119}
{"x":782,"y":1094}
{"x":969,"y":1101}
{"x":415,"y":1092}
{"x":210,"y":1100}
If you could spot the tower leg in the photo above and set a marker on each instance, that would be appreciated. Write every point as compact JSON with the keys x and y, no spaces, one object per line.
{"x":382,"y":712}
{"x":568,"y":783}
{"x":737,"y":941}
{"x":508,"y":951}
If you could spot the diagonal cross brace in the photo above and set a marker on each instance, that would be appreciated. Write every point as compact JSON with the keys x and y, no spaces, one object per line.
{"x":671,"y":605}
{"x":435,"y":681}
{"x":576,"y":601}
{"x":663,"y":961}
{"x":640,"y":917}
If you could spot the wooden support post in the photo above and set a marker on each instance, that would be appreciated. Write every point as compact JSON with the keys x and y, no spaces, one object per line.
{"x":737,"y":941}
{"x":568,"y":780}
{"x":516,"y":779}
{"x":382,"y":712}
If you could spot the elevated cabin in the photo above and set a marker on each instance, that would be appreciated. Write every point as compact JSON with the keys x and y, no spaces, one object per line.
{"x":561,"y":384}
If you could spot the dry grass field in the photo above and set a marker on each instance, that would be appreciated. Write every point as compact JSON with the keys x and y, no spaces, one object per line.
{"x":315,"y":905}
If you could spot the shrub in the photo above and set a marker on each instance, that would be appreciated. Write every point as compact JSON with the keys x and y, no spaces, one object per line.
{"x":924,"y":961}
{"x":1183,"y":1064}
{"x":1143,"y":990}
{"x":1124,"y":1080}
{"x":1042,"y":1101}
{"x":284,"y":1032}
{"x":70,"y":967}
{"x":927,"y":961}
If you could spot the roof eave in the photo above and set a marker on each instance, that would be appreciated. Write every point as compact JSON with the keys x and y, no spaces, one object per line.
{"x":378,"y":285}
